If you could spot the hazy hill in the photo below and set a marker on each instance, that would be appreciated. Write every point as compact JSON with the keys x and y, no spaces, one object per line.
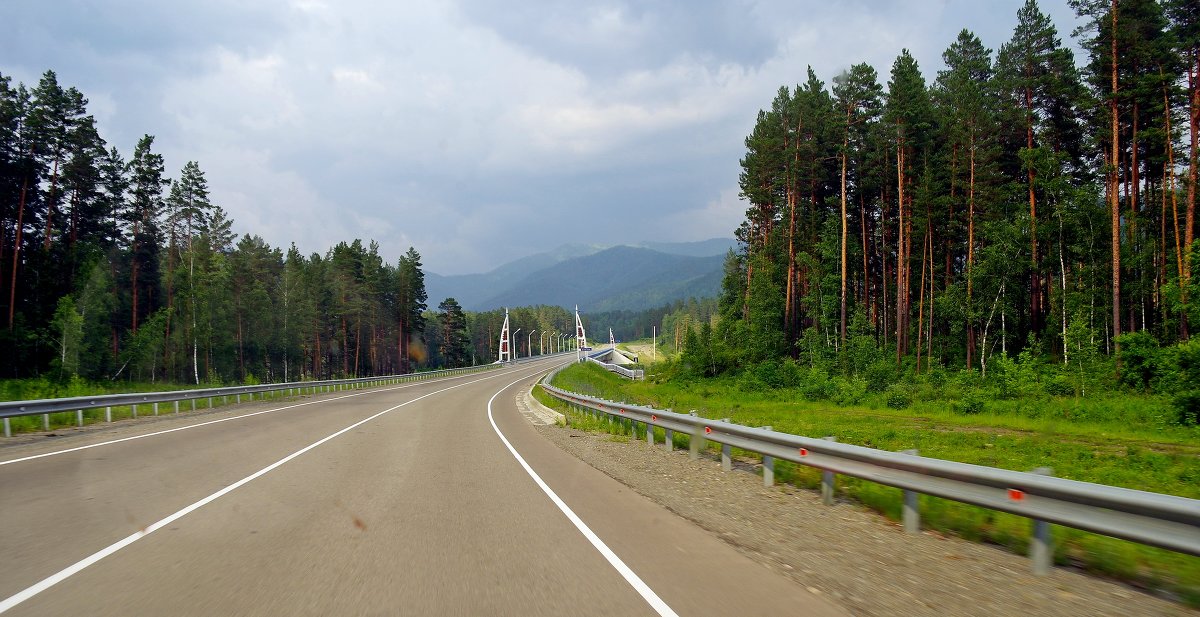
{"x":622,"y":277}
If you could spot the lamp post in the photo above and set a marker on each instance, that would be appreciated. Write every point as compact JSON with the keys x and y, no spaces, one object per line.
{"x":516,"y":352}
{"x":528,"y":345}
{"x":542,"y":343}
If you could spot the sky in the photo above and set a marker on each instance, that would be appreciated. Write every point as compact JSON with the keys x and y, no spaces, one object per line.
{"x":476,"y":131}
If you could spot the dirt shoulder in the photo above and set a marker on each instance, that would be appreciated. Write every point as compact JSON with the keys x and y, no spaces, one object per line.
{"x":860,"y":559}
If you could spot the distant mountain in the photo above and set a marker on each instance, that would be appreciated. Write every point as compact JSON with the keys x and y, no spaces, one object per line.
{"x":600,"y":277}
{"x":619,"y":278}
{"x":703,"y":248}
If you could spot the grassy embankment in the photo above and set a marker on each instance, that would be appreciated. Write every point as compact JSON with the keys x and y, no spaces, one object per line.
{"x":1118,"y":440}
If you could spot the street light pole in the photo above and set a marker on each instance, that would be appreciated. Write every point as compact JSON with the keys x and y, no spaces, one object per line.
{"x":528,"y":343}
{"x":516,"y":352}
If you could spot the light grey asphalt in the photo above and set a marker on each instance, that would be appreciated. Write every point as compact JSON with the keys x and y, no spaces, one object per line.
{"x":422,"y":510}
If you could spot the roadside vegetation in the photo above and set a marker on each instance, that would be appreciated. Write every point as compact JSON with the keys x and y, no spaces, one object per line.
{"x":1116,"y":437}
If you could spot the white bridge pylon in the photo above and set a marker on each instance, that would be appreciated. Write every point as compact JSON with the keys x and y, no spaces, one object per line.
{"x":505,"y":341}
{"x":580,"y":336}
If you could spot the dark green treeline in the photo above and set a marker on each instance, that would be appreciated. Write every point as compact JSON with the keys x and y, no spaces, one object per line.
{"x":1017,"y":201}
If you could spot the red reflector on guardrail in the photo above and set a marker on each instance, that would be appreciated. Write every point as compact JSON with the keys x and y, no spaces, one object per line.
{"x":654,"y":417}
{"x":1016,"y":494}
{"x":707,"y":430}
{"x":621,"y":410}
{"x":803,"y":451}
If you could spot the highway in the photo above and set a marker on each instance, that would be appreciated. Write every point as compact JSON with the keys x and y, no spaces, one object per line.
{"x":426,"y":498}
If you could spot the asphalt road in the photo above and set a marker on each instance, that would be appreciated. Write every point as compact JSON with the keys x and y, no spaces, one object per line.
{"x":405,"y":500}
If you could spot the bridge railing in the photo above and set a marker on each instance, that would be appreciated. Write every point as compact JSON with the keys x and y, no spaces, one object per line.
{"x":634,"y":374}
{"x":1154,"y":519}
{"x":45,"y":407}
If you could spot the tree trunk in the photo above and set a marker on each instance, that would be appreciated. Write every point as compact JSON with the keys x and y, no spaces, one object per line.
{"x":1114,"y":198}
{"x":845,"y":234}
{"x":1035,"y":287}
{"x":12,"y":294}
{"x":1194,"y":125}
{"x":900,"y":256}
{"x":971,"y":252}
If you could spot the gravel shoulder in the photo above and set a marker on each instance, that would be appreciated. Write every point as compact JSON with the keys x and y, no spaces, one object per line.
{"x":861,"y":560}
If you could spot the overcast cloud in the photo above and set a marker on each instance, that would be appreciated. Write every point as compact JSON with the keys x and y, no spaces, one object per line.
{"x":478,"y":131}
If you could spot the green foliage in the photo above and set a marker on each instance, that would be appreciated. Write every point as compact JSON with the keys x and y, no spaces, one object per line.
{"x":1137,"y":359}
{"x":1116,"y":439}
{"x":971,"y":404}
{"x":1187,"y":408}
{"x":898,"y":396}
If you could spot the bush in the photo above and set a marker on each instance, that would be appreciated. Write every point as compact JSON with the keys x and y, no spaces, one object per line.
{"x":1187,"y":408}
{"x":880,"y":375}
{"x":971,"y":404}
{"x":817,"y":386}
{"x":848,"y":391}
{"x":899,"y":396}
{"x":1138,"y":359}
{"x":1059,"y":385}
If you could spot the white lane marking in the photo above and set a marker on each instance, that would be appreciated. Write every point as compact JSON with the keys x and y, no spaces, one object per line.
{"x":191,"y":426}
{"x":625,"y":571}
{"x":62,"y":575}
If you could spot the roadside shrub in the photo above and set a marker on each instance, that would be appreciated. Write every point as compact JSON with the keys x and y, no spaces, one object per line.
{"x":1059,"y":385}
{"x":817,"y":385}
{"x":850,"y":391}
{"x":1187,"y":408}
{"x":880,"y":375}
{"x":898,"y":396}
{"x":971,"y":404}
{"x":1138,"y":359}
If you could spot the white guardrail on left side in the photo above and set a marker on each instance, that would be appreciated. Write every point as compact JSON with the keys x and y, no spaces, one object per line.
{"x":1154,"y":519}
{"x":45,"y":407}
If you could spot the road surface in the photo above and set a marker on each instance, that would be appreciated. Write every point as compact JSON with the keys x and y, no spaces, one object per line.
{"x":429,"y":498}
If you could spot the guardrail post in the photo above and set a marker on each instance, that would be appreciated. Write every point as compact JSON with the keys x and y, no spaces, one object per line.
{"x":695,"y":441}
{"x":176,"y":407}
{"x":649,"y":434}
{"x":133,"y":408}
{"x":46,"y":421}
{"x":827,"y":481}
{"x":210,"y":402}
{"x":79,"y":417}
{"x":156,"y":409}
{"x":193,"y":404}
{"x":911,"y":510}
{"x":108,"y":414}
{"x":726,"y":453}
{"x":768,"y":465}
{"x":1040,"y":551}
{"x":239,"y":399}
{"x":669,"y":442}
{"x":7,"y":428}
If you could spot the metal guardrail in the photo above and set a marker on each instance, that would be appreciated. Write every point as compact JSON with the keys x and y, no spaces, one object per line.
{"x":45,"y":407}
{"x":634,"y":374}
{"x":1154,"y":519}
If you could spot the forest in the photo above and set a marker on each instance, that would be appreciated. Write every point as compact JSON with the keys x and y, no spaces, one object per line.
{"x":111,"y":270}
{"x":1018,"y":203}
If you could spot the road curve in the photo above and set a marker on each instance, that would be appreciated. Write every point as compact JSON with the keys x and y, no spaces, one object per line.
{"x":397,"y":500}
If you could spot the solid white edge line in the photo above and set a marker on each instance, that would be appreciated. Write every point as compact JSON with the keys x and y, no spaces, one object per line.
{"x":62,"y":575}
{"x":625,"y":571}
{"x":256,"y":413}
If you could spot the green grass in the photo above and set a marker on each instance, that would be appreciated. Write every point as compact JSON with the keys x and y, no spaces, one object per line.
{"x":1119,"y":440}
{"x":35,"y":389}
